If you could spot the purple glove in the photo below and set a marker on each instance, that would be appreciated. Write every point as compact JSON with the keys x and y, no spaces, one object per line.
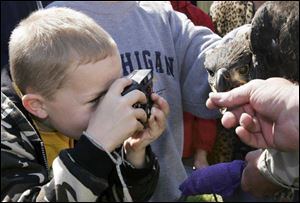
{"x":222,"y":179}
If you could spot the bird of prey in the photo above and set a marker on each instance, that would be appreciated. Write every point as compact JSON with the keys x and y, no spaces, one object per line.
{"x":269,"y":48}
{"x":229,"y":63}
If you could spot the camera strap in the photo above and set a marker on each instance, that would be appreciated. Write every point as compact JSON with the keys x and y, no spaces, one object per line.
{"x":118,"y":160}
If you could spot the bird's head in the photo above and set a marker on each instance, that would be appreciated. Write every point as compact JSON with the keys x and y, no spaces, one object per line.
{"x":269,"y":48}
{"x":229,"y":65}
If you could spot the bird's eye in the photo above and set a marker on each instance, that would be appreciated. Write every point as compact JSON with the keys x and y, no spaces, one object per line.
{"x":243,"y":70}
{"x":210,"y":72}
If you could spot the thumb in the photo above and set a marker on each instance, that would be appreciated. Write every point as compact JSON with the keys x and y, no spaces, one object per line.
{"x":235,"y":97}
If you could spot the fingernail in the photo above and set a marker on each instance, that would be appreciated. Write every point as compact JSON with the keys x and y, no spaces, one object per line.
{"x":152,"y":110}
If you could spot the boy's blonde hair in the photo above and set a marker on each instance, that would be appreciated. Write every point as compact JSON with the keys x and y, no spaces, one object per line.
{"x":48,"y":42}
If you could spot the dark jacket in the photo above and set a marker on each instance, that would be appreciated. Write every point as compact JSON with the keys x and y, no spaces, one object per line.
{"x":84,"y":173}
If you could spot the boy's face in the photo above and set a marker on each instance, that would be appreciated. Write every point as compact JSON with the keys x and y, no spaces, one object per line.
{"x":70,"y":110}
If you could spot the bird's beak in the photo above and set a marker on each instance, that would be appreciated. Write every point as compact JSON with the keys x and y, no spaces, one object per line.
{"x":223,"y":83}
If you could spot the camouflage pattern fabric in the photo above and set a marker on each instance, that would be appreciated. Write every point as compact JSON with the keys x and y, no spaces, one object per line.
{"x":25,"y":175}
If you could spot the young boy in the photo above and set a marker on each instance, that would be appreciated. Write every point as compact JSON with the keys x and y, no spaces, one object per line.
{"x":66,"y":70}
{"x":152,"y":35}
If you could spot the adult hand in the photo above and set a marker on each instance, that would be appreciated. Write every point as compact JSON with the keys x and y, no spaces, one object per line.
{"x":253,"y":181}
{"x":266,"y":110}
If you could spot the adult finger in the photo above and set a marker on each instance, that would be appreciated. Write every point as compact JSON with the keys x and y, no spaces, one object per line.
{"x":235,"y":97}
{"x":210,"y":104}
{"x":232,"y":116}
{"x":250,"y":123}
{"x":255,"y":140}
{"x":229,"y":119}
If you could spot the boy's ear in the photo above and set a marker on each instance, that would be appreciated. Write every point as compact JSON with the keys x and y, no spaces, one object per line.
{"x":34,"y":104}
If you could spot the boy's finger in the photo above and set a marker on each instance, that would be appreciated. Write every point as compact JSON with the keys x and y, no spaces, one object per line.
{"x":160,"y":103}
{"x":153,"y":125}
{"x":140,"y":114}
{"x":119,"y":85}
{"x":135,"y":96}
{"x":159,"y":116}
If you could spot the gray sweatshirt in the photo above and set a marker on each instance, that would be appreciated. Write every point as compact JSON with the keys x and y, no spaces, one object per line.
{"x":152,"y":35}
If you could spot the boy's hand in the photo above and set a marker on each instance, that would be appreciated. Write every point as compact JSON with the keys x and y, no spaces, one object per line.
{"x":136,"y":144}
{"x":115,"y":119}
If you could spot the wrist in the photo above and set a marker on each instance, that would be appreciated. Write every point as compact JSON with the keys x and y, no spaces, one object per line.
{"x":137,"y":157}
{"x":103,"y":144}
{"x":78,"y":153}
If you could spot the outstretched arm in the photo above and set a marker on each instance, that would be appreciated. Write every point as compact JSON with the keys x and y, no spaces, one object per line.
{"x":267,"y":112}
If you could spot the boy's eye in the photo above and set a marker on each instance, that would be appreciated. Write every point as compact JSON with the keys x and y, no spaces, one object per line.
{"x":96,"y":100}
